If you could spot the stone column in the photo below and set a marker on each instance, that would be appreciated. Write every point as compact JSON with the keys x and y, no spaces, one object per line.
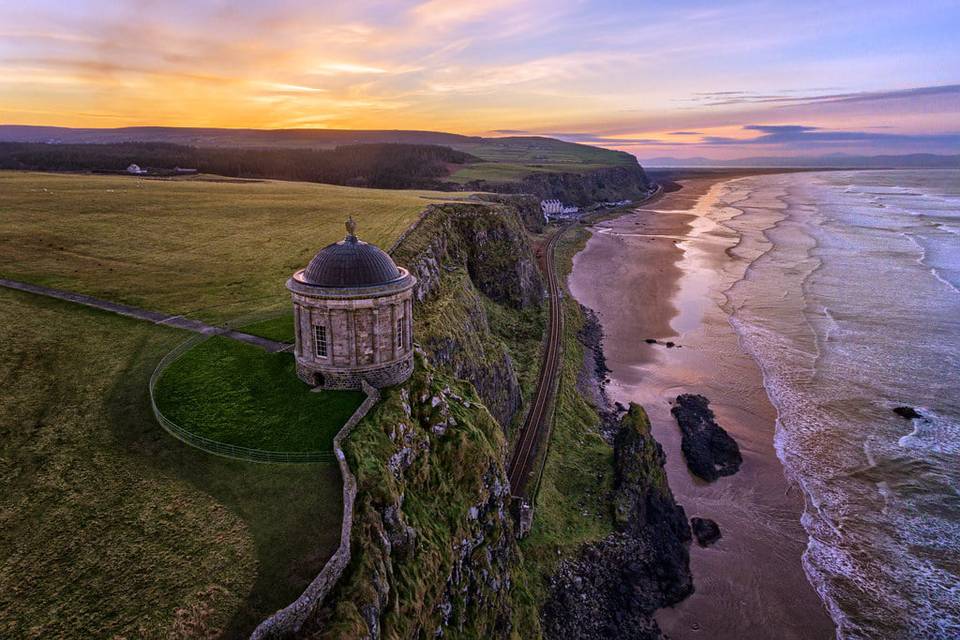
{"x":375,"y":334}
{"x":298,"y":337}
{"x":352,"y":334}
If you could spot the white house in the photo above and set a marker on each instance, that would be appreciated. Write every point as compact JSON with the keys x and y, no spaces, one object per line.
{"x":555,"y":208}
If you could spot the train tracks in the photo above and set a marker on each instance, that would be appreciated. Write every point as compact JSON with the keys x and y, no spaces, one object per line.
{"x":522,"y":466}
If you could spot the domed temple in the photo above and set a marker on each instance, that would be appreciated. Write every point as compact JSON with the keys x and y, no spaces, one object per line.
{"x":353,"y":314}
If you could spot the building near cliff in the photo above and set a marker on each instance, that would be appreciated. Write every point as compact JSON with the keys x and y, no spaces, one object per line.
{"x":556,"y":209}
{"x":353,"y":316}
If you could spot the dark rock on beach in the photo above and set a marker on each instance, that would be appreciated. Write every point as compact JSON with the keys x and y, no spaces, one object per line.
{"x":613,"y":587}
{"x":710,"y":452}
{"x":705,"y":530}
{"x":908,"y":413}
{"x":592,"y":378}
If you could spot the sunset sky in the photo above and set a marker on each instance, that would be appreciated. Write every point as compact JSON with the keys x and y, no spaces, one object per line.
{"x":715,"y":79}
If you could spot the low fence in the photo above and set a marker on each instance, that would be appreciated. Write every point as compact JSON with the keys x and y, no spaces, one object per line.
{"x":213,"y":446}
{"x":288,"y":621}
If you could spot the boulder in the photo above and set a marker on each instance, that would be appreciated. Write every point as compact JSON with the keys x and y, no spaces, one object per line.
{"x":710,"y":452}
{"x":705,"y":530}
{"x":908,"y":413}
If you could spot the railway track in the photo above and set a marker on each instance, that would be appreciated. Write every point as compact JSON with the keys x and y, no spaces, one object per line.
{"x":521,"y":468}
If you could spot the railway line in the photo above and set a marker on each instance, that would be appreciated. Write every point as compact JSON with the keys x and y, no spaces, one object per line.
{"x":521,"y":468}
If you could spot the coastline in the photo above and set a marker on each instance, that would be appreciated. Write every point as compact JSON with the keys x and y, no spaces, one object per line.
{"x":658,"y":272}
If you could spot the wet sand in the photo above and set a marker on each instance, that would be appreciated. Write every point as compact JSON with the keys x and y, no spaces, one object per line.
{"x":659,"y":273}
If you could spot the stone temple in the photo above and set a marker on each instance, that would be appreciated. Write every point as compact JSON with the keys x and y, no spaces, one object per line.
{"x":353,"y":315}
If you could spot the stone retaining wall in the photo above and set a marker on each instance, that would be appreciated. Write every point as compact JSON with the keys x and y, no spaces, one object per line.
{"x":287,"y":621}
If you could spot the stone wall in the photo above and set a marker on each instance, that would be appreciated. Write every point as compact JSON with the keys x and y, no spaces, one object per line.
{"x":362,"y":339}
{"x":288,"y":621}
{"x":380,"y":376}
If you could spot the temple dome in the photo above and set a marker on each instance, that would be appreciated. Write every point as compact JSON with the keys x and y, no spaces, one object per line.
{"x":351,"y":263}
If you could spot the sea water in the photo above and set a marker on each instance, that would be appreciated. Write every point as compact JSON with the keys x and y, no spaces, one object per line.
{"x":851,"y":307}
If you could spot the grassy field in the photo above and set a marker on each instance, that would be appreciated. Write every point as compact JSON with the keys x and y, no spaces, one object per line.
{"x":510,"y":159}
{"x":111,"y":528}
{"x":535,"y":150}
{"x":213,"y":250}
{"x":239,"y":394}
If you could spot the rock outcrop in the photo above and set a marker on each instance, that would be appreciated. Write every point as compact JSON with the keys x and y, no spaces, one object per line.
{"x":705,"y":530}
{"x":612,"y":588}
{"x":433,"y":542}
{"x":526,"y":206}
{"x":709,"y":450}
{"x":908,"y":413}
{"x":467,"y":256}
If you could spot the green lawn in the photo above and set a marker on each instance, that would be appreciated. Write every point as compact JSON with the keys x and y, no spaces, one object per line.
{"x":279,"y":328}
{"x":214,"y":250}
{"x":236,"y":393}
{"x":111,"y":528}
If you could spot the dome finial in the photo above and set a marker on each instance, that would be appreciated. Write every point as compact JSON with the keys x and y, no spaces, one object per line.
{"x":351,"y":229}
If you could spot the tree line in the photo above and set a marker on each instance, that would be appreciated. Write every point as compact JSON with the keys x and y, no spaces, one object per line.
{"x":380,"y":165}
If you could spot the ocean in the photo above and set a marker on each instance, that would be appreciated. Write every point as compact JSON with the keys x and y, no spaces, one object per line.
{"x":850,"y":305}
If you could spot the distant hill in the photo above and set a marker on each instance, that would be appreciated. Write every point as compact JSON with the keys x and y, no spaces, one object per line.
{"x":549,"y":168}
{"x":530,"y":152}
{"x":831,"y":161}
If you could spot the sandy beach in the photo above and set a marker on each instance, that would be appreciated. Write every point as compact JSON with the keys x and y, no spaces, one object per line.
{"x":659,"y":273}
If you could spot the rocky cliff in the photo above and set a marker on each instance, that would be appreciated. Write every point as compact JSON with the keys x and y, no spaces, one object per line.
{"x":432,"y":540}
{"x":627,"y":182}
{"x":433,"y":543}
{"x":433,"y":546}
{"x":473,"y":261}
{"x":612,"y":588}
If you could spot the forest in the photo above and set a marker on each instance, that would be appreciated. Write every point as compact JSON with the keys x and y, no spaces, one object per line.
{"x":384,"y":166}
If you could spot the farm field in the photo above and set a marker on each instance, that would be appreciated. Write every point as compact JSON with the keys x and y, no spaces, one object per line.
{"x":210,"y":249}
{"x":109,"y":527}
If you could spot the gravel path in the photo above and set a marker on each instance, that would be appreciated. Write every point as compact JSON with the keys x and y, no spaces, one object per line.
{"x":155,"y":317}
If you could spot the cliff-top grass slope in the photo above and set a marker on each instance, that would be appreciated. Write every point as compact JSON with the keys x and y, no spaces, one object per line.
{"x":111,"y":528}
{"x":512,"y":158}
{"x":213,"y":250}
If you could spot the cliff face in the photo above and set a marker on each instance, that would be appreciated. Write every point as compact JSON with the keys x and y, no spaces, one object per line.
{"x":608,"y":184}
{"x":432,"y":539}
{"x":433,"y":546}
{"x":527,"y":208}
{"x":468,"y":258}
{"x":612,"y":588}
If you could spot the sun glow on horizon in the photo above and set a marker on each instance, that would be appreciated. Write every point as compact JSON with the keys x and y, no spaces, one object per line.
{"x":640,"y":79}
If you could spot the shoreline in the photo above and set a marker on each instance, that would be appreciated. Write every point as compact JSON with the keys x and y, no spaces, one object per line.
{"x":662,"y":269}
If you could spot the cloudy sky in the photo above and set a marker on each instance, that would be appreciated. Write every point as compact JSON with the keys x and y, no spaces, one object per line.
{"x":679,"y":78}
